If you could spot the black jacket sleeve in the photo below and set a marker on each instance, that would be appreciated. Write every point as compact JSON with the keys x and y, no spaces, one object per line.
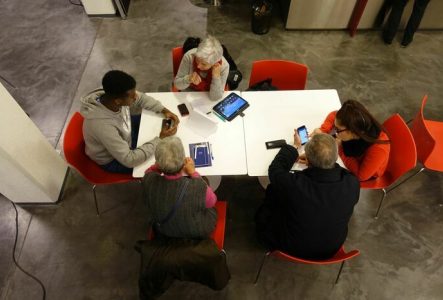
{"x":281,"y":165}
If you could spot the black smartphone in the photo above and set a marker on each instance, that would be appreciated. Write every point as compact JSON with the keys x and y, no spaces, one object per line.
{"x":303,"y":133}
{"x":167,"y":123}
{"x":275,"y":144}
{"x":183,"y":109}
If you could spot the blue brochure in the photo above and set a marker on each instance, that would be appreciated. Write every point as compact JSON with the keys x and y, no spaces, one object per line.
{"x":201,"y":154}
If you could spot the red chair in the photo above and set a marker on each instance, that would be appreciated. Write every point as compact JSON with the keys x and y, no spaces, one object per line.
{"x":218,"y":235}
{"x":340,"y":256}
{"x":286,"y":75}
{"x":177,"y":55}
{"x":74,"y":149}
{"x":428,"y":136}
{"x":402,"y":158}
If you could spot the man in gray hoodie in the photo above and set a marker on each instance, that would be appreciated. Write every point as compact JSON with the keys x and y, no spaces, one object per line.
{"x":112,"y":119}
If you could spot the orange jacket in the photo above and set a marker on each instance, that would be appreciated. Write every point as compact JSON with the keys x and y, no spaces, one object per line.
{"x":372,"y":163}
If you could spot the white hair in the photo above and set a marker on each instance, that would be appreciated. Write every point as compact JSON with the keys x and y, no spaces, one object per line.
{"x":321,"y":151}
{"x":209,"y":50}
{"x":170,"y":155}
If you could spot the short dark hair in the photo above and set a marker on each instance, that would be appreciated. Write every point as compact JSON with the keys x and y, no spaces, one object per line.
{"x":117,"y":83}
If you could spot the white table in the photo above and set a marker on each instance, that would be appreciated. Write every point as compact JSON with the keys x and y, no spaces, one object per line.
{"x":274,"y":115}
{"x":228,"y":144}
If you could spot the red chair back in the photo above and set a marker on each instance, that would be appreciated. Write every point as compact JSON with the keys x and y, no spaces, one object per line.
{"x":424,"y":141}
{"x":340,"y":256}
{"x":177,"y":55}
{"x":286,"y":75}
{"x":402,"y":154}
{"x":74,"y":149}
{"x":218,"y":235}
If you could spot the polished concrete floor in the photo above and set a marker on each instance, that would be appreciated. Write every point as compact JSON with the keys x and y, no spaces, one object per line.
{"x":78,"y":255}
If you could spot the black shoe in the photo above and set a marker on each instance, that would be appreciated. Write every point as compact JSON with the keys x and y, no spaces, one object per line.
{"x":387,"y":40}
{"x":406,"y":41}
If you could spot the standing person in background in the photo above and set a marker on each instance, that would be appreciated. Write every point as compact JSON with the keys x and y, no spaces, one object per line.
{"x":204,"y":69}
{"x":393,"y":22}
{"x":112,"y":121}
{"x":363,"y":146}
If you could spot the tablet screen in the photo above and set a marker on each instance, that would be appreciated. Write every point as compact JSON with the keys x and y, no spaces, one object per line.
{"x":231,"y":106}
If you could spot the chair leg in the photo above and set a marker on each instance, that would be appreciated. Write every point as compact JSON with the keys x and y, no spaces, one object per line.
{"x":339,"y":272}
{"x":261,"y":266}
{"x":416,"y":173}
{"x":95,"y":200}
{"x":385,"y":191}
{"x":379,"y":205}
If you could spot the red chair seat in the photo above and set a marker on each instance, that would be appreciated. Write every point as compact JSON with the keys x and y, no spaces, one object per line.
{"x":74,"y":150}
{"x":340,"y":257}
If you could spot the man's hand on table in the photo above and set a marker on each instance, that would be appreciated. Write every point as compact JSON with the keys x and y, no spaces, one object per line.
{"x":170,"y":115}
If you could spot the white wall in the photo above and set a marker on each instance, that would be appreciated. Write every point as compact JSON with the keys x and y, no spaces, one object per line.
{"x":30,"y":169}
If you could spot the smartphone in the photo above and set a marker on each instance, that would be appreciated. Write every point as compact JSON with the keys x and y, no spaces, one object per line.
{"x":275,"y":144}
{"x":183,"y":109}
{"x":303,"y":133}
{"x":167,"y":123}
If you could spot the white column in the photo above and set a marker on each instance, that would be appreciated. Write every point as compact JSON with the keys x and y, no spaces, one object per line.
{"x":99,"y":7}
{"x":30,"y":169}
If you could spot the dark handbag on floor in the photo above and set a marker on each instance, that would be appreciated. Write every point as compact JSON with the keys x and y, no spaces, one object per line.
{"x":163,"y":261}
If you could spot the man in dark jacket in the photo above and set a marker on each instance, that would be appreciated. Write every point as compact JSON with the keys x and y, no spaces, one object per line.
{"x":306,"y":213}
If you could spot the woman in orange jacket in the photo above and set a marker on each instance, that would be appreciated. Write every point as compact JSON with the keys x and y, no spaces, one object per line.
{"x":362,"y":144}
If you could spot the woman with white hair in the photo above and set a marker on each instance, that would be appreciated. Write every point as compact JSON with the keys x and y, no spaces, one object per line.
{"x":204,"y":69}
{"x":180,"y":203}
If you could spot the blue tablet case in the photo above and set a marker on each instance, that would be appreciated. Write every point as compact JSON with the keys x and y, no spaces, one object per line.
{"x":201,"y":154}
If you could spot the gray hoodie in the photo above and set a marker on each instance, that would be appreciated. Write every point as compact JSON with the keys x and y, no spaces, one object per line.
{"x":107,"y":134}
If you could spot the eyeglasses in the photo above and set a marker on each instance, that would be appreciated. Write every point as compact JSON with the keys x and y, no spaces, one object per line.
{"x":339,"y":130}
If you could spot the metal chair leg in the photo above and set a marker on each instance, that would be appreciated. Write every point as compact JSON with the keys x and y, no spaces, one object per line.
{"x":416,"y":173}
{"x":95,"y":200}
{"x":261,"y":266}
{"x":339,"y":272}
{"x":385,"y":191}
{"x":379,"y":205}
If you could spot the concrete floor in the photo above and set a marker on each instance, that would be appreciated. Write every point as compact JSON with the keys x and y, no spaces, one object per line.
{"x":78,"y":255}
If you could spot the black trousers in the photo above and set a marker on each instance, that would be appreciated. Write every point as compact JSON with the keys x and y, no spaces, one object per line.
{"x":393,"y":22}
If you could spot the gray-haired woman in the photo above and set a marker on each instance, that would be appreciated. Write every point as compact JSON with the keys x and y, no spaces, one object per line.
{"x":194,"y":215}
{"x":204,"y":69}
